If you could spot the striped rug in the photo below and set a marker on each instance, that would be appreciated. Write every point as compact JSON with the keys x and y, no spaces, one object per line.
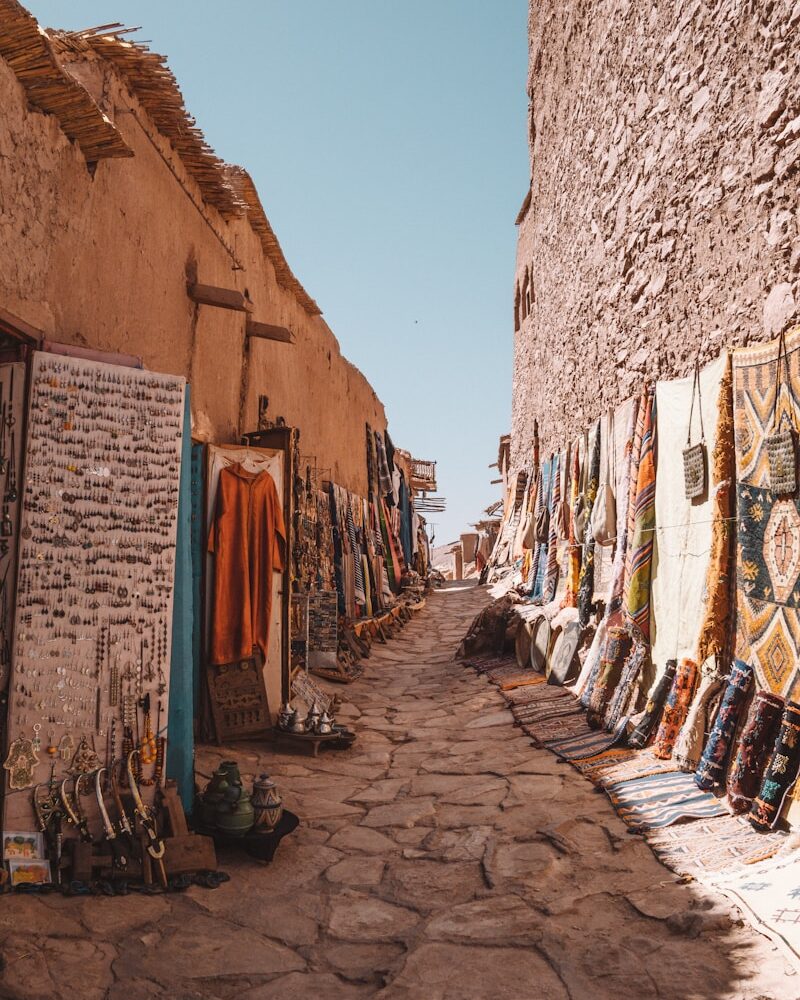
{"x":659,"y":800}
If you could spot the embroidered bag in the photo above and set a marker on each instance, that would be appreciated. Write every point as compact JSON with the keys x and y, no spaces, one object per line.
{"x":694,"y":455}
{"x":604,"y":512}
{"x":780,"y":442}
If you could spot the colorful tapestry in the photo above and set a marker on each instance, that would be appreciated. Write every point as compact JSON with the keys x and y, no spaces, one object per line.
{"x":551,"y":570}
{"x":768,"y":564}
{"x":684,"y":528}
{"x":543,"y":501}
{"x":586,"y":581}
{"x":676,"y":708}
{"x":613,"y":614}
{"x":711,"y":770}
{"x":617,"y":647}
{"x":617,"y":430}
{"x":623,"y":701}
{"x":642,"y":521}
{"x":661,"y":800}
{"x":574,"y":554}
{"x":755,"y":747}
{"x":781,"y":771}
{"x":718,"y":591}
{"x":689,"y":744}
{"x":654,"y":708}
{"x":712,"y":846}
{"x":770,"y":894}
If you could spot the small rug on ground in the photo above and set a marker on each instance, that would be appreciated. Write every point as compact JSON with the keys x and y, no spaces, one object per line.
{"x":713,"y":846}
{"x":661,"y":800}
{"x":587,"y":743}
{"x":770,"y":894}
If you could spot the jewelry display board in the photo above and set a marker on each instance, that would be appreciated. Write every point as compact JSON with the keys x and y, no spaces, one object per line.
{"x":93,"y":627}
{"x":12,"y":434}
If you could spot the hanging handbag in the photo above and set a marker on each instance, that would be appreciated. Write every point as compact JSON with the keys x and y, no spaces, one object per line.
{"x":604,"y":511}
{"x":579,"y":510}
{"x":694,"y":455}
{"x":780,"y":442}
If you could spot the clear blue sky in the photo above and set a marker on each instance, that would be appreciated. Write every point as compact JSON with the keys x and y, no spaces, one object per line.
{"x":387,"y":142}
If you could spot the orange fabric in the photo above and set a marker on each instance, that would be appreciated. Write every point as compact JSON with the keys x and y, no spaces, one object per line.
{"x":248,"y":537}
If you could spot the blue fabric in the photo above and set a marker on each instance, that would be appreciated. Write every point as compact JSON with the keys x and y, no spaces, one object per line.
{"x":405,"y":522}
{"x":180,"y":748}
{"x":537,"y":588}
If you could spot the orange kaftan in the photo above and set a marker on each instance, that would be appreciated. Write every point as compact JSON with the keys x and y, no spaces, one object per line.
{"x":249,"y":538}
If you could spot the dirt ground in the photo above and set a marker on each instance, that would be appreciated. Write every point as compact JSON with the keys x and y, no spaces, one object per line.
{"x":441,"y":858}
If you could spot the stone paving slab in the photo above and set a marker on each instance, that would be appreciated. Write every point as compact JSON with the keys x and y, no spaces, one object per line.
{"x":441,"y":858}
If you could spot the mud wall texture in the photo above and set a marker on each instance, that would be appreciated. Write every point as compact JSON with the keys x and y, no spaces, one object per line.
{"x":665,"y":210}
{"x":101,"y":257}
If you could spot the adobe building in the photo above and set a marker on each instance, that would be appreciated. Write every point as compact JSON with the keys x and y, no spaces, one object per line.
{"x":123,"y":232}
{"x":662,"y":218}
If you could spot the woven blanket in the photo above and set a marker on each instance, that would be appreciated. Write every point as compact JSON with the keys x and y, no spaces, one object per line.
{"x":768,"y":566}
{"x":712,"y":845}
{"x":684,"y":527}
{"x":584,"y":744}
{"x":595,"y":767}
{"x":770,"y":894}
{"x":642,"y":521}
{"x":557,"y":728}
{"x":639,"y":765}
{"x":661,"y":800}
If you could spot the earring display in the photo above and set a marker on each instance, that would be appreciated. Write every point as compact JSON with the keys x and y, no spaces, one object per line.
{"x":92,"y":636}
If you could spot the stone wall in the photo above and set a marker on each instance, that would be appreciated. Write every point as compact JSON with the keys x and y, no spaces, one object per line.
{"x":100,"y":256}
{"x":664,"y":210}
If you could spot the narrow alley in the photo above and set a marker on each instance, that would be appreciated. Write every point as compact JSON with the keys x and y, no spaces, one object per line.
{"x":442,"y":857}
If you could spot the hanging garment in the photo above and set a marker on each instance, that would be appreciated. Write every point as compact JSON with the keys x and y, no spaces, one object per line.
{"x":586,"y":580}
{"x":248,"y":537}
{"x":711,"y":770}
{"x":755,"y":747}
{"x":384,"y":474}
{"x":405,"y":521}
{"x":653,"y":709}
{"x":781,"y":772}
{"x":676,"y":709}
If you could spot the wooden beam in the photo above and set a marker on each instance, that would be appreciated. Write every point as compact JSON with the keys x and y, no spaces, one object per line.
{"x":266,"y":331}
{"x":222,"y":298}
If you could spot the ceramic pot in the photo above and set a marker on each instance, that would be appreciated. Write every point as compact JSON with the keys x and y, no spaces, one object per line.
{"x":267,"y":804}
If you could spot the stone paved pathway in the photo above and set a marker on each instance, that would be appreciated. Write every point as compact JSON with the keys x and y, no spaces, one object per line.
{"x":442,"y":858}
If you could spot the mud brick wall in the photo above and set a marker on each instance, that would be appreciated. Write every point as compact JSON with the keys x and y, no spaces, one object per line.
{"x":665,"y":208}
